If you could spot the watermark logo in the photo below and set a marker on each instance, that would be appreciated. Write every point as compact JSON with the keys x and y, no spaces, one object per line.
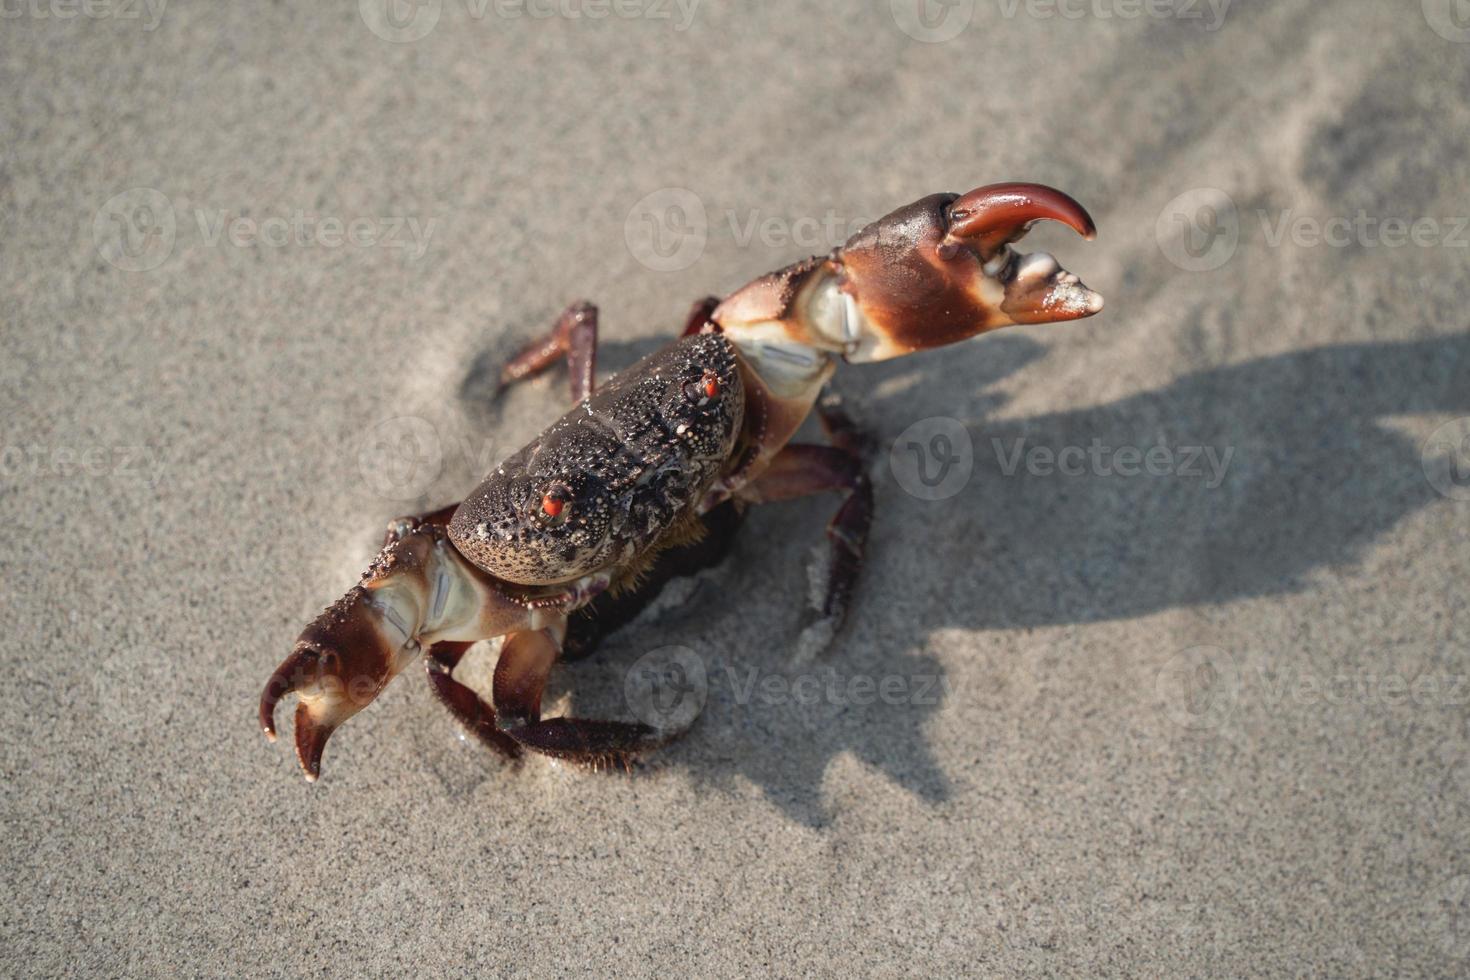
{"x":400,"y":21}
{"x":933,"y":458}
{"x":1446,"y":459}
{"x":1450,"y":19}
{"x":135,"y":230}
{"x":400,"y":458}
{"x":1198,"y":687}
{"x":932,"y":21}
{"x":667,"y":230}
{"x":667,"y":688}
{"x":1199,"y":230}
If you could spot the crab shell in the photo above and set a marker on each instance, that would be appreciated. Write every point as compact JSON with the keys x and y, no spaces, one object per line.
{"x":612,"y":476}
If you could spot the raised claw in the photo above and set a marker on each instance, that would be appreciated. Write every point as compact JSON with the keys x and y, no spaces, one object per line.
{"x":993,"y":216}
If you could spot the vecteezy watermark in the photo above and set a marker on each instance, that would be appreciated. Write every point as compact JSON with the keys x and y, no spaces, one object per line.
{"x":1199,"y":687}
{"x":932,"y":21}
{"x":302,"y":229}
{"x":404,"y":21}
{"x":809,"y":232}
{"x":401,"y":458}
{"x":1206,"y":463}
{"x":149,"y":12}
{"x":42,"y":462}
{"x":1210,"y":13}
{"x":1363,"y":230}
{"x":1450,"y":19}
{"x":933,"y":459}
{"x":830,"y":687}
{"x":668,"y":688}
{"x":1446,"y":459}
{"x":668,"y":230}
{"x":1200,"y":230}
{"x":137,"y":230}
{"x":1284,"y":688}
{"x":937,"y":21}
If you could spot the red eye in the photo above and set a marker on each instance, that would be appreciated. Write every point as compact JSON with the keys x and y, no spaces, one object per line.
{"x":552,"y":505}
{"x":707,"y":388}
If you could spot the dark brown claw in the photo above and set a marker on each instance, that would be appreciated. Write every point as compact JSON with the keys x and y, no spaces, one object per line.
{"x":995,"y":215}
{"x":337,"y":668}
{"x":418,"y":592}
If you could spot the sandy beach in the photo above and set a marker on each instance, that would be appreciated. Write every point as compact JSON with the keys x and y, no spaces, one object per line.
{"x":1159,"y":671}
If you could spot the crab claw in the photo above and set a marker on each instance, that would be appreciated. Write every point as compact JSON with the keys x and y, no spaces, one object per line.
{"x":341,"y":662}
{"x":932,"y":273}
{"x":418,"y":591}
{"x":991,"y":217}
{"x":1037,"y":288}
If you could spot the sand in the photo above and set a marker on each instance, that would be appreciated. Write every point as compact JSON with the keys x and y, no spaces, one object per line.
{"x":1170,"y":680}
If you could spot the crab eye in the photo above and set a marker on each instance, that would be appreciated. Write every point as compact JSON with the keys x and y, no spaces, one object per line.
{"x":554,"y":504}
{"x":706,"y":388}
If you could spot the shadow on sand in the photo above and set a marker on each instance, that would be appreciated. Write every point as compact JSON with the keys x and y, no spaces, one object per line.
{"x":1306,"y":475}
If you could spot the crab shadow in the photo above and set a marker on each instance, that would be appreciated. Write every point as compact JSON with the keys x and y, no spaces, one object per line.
{"x":1226,"y":484}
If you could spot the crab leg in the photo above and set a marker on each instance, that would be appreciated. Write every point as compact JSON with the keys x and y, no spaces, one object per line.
{"x":574,"y":337}
{"x":800,"y":470}
{"x":467,"y":707}
{"x":520,"y":680}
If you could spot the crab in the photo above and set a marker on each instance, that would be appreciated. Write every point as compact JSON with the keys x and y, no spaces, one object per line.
{"x":645,"y":478}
